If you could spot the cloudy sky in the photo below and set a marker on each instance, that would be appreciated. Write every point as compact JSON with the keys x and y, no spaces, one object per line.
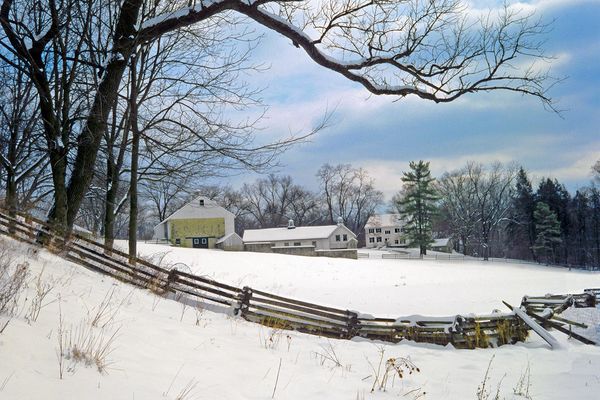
{"x":383,"y":135}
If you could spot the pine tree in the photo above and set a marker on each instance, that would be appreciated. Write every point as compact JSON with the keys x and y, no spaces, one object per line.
{"x":556,"y":196}
{"x":595,"y":223}
{"x":521,"y":229}
{"x":548,"y":231}
{"x":418,"y":205}
{"x":580,"y":211}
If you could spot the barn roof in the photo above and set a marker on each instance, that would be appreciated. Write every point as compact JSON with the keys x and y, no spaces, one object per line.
{"x":298,"y":233}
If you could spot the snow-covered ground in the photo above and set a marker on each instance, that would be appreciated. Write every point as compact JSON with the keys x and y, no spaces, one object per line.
{"x":161,"y":347}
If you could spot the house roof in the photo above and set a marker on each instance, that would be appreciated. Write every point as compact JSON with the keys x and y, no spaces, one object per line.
{"x":298,"y":233}
{"x":380,"y":220}
{"x":224,"y":238}
{"x":193,"y":209}
{"x":440,"y":242}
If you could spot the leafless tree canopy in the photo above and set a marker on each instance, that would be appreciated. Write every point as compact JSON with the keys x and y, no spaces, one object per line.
{"x":437,"y":50}
{"x":78,"y":54}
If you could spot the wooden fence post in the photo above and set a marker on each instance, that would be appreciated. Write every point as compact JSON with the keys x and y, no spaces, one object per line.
{"x":243,"y":301}
{"x":353,"y":324}
{"x":171,"y":278}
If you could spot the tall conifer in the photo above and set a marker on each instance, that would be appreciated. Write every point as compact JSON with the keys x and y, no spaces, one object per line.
{"x":418,"y":205}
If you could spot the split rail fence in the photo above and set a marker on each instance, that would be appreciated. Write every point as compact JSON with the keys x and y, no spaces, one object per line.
{"x":462,"y":331}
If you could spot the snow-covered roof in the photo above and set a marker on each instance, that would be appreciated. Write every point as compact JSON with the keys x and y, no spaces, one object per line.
{"x":298,"y":233}
{"x":381,"y":220}
{"x":440,"y":242}
{"x":224,"y":238}
{"x":199,"y":207}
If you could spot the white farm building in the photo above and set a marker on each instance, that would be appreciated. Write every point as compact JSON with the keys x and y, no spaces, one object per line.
{"x":385,"y":230}
{"x":306,"y":240}
{"x":201,"y":223}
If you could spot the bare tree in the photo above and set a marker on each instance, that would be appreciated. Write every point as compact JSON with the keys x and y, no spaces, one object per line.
{"x":459,"y":206}
{"x":274,"y":200}
{"x":433,"y":50}
{"x":23,"y":162}
{"x":492,"y":189}
{"x":348,"y":193}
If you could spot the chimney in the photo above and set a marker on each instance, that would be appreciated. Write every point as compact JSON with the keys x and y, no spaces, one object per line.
{"x":291,"y":224}
{"x":340,"y":221}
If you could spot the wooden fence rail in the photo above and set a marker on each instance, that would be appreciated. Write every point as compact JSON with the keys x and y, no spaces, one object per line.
{"x":284,"y":313}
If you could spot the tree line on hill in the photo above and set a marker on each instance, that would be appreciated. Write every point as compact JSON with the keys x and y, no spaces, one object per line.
{"x":494,"y":211}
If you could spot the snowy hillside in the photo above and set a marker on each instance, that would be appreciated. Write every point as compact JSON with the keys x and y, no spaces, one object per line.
{"x":149,"y":347}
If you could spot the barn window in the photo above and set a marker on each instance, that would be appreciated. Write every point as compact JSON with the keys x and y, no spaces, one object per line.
{"x":379,"y":239}
{"x":387,"y":232}
{"x":371,"y":240}
{"x":201,"y":202}
{"x":378,"y":230}
{"x":397,"y":230}
{"x":345,"y":237}
{"x":371,"y":230}
{"x":286,"y":244}
{"x":297,"y":243}
{"x":337,"y":238}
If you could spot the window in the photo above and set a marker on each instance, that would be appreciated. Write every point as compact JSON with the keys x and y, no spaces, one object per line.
{"x":371,"y":240}
{"x":378,"y":239}
{"x":314,"y":243}
{"x":387,"y":232}
{"x":201,"y":202}
{"x":396,"y":241}
{"x":297,"y":243}
{"x":177,"y":241}
{"x":371,"y":230}
{"x":286,"y":244}
{"x":397,"y":230}
{"x":378,"y":230}
{"x":337,"y":238}
{"x":345,"y":237}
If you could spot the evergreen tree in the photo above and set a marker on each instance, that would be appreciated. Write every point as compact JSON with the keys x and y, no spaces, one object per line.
{"x":580,"y":212}
{"x":521,"y":229}
{"x":557,"y":198}
{"x":418,"y":205}
{"x":595,"y":223}
{"x":548,"y":231}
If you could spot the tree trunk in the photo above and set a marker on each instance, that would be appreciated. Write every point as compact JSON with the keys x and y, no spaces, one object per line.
{"x":133,"y":201}
{"x":89,"y":140}
{"x":109,"y":214}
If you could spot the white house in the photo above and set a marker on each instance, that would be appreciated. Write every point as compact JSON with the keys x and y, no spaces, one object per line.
{"x":385,"y":230}
{"x":305,"y":240}
{"x":200,"y":223}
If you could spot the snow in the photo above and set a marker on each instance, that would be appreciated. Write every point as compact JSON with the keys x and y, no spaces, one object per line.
{"x":297,"y":233}
{"x":178,"y":14}
{"x":384,"y":220}
{"x":161,"y":346}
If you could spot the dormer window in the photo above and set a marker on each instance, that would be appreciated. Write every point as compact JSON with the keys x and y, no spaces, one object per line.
{"x":201,"y":202}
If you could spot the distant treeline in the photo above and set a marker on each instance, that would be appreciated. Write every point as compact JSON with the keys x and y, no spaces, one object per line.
{"x":488,"y":210}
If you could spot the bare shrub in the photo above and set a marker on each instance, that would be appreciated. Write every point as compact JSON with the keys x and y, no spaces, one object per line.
{"x":328,"y":356}
{"x":42,"y":289}
{"x":393,"y":368}
{"x":524,"y":384}
{"x":89,"y":345}
{"x":483,"y":390}
{"x":90,"y":342}
{"x":13,"y":280}
{"x":105,"y":313}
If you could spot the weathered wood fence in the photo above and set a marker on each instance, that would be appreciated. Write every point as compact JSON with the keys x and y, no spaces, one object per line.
{"x":462,"y":331}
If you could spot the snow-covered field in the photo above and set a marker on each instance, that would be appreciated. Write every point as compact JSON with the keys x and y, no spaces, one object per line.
{"x":161,"y":348}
